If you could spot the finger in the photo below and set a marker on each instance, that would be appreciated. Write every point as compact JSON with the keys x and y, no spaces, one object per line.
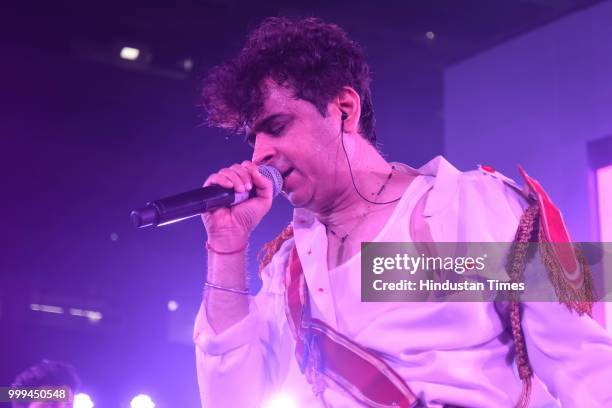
{"x":231,"y":174}
{"x":220,"y":180}
{"x":244,"y":175}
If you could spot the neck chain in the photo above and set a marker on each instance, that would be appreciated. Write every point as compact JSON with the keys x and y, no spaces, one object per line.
{"x":362,"y":217}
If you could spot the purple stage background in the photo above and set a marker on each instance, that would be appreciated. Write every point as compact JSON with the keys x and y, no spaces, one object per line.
{"x":538,"y":100}
{"x":85,"y":140}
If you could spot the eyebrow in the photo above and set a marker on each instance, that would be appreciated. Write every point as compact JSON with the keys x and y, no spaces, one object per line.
{"x":265,"y":123}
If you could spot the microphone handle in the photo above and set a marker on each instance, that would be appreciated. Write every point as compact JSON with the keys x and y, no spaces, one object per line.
{"x":186,"y":205}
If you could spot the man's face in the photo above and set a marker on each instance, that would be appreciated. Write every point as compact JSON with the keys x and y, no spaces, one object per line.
{"x":292,"y":135}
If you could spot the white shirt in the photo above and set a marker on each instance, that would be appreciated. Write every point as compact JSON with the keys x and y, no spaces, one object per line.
{"x":448,"y":353}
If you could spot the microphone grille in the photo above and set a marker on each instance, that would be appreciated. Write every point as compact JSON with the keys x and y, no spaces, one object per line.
{"x":273,"y":175}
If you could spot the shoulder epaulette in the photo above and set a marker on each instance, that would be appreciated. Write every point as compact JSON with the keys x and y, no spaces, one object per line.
{"x":523,"y":191}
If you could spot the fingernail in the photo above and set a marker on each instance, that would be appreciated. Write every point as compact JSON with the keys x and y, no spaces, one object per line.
{"x":249,"y":186}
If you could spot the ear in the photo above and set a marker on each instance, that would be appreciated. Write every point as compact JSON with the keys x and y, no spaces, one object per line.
{"x":349,"y":102}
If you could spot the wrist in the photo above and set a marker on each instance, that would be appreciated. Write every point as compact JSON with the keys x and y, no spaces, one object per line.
{"x":241,"y":291}
{"x":227,"y":248}
{"x":227,"y":242}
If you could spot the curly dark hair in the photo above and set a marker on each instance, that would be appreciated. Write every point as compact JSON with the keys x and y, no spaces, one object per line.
{"x":315,"y":59}
{"x":47,"y":372}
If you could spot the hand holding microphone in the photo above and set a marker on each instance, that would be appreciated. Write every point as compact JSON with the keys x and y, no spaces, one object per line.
{"x":232,"y":202}
{"x":230,"y":227}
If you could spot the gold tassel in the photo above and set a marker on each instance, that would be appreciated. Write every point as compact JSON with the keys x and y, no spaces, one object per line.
{"x":516,"y":267}
{"x":581,"y":299}
{"x":523,"y":401}
{"x":266,"y":253}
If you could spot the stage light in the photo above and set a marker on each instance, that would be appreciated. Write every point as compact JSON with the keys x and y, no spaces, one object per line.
{"x":142,"y":401}
{"x":430,"y":35}
{"x":82,"y":400}
{"x":92,"y":315}
{"x":188,"y":64}
{"x":114,"y":236}
{"x":46,"y":308}
{"x":129,"y":53}
{"x":281,"y":401}
{"x":173,"y":305}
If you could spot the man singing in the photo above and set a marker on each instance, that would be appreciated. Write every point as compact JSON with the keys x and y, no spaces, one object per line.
{"x":300,"y":92}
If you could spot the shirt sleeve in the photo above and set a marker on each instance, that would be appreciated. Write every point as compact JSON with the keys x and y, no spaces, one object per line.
{"x":570,"y":353}
{"x":242,"y":365}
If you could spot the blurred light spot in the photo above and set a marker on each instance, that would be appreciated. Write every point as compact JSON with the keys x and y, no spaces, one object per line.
{"x":430,"y":35}
{"x":142,"y":401}
{"x":46,"y":308}
{"x":76,"y":312}
{"x":129,"y":53}
{"x":188,"y":64}
{"x":82,"y":400}
{"x":172,"y":305}
{"x":114,"y":236}
{"x":92,"y":315}
{"x":281,"y":401}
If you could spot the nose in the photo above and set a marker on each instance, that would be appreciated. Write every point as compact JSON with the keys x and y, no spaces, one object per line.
{"x":264,"y":150}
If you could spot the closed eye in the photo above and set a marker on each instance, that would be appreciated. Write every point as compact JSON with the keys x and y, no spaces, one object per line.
{"x":276,"y":131}
{"x":274,"y":125}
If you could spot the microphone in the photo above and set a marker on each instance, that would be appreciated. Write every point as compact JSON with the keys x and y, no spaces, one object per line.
{"x":191,"y":203}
